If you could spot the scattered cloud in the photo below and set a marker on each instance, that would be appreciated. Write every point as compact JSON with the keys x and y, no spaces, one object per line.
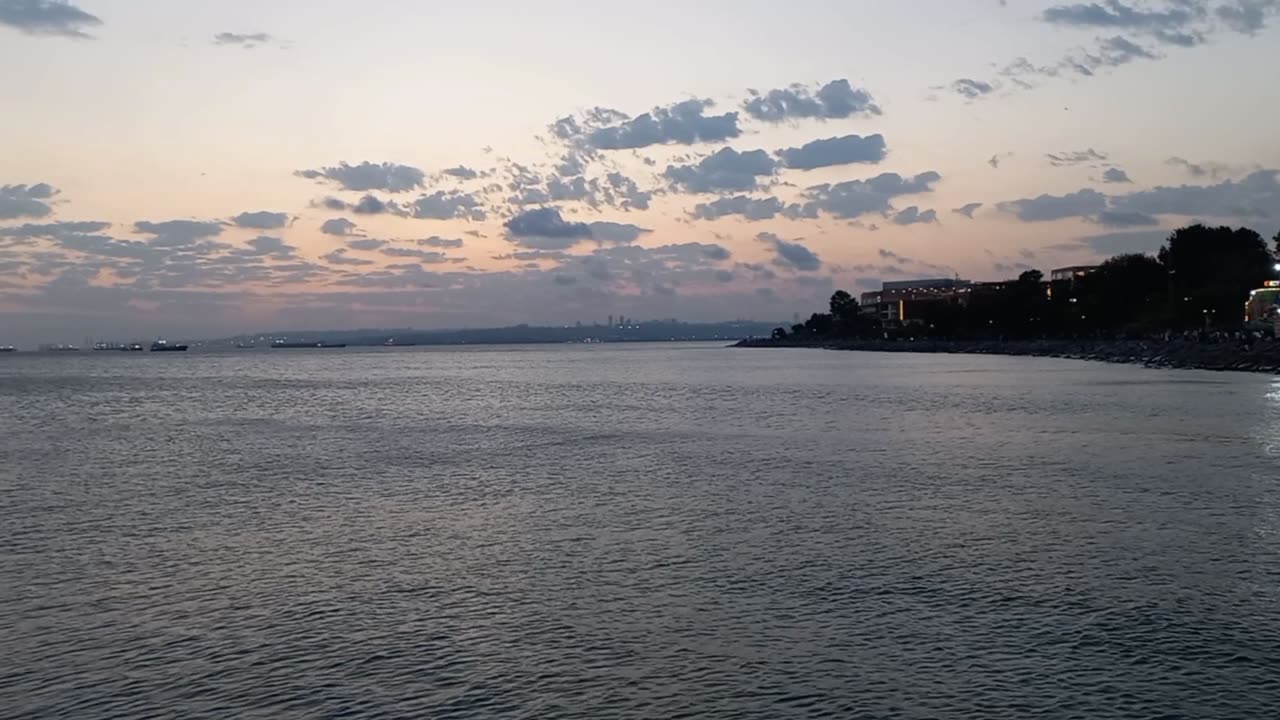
{"x":431,"y":257}
{"x":726,"y":170}
{"x":261,"y":220}
{"x":683,"y":123}
{"x":1117,"y":243}
{"x":1045,"y":208}
{"x":268,"y":245}
{"x":915,"y":216}
{"x":436,"y":241}
{"x":446,"y":205}
{"x":854,"y":198}
{"x":59,"y":18}
{"x":367,"y":176}
{"x":829,"y":152}
{"x":1212,"y":170}
{"x":366,"y":244}
{"x":1076,"y":157}
{"x":616,"y":233}
{"x":340,"y":257}
{"x":750,"y":208}
{"x":247,"y":41}
{"x":177,"y":233}
{"x":1122,"y":218}
{"x":338,"y":226}
{"x":1115,"y":175}
{"x":545,"y":229}
{"x":972,"y":89}
{"x":791,"y":254}
{"x":836,"y":100}
{"x":26,"y":201}
{"x":968,"y":210}
{"x":462,"y":172}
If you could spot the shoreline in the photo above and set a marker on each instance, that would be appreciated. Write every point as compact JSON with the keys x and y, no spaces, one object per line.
{"x":1225,"y":356}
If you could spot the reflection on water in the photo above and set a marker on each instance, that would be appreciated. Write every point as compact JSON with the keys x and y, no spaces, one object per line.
{"x":635,"y":532}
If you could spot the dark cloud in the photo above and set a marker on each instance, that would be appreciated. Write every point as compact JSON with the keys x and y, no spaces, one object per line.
{"x":432,"y":257}
{"x":915,"y":216}
{"x":1118,"y":243}
{"x":244,"y":40}
{"x":340,"y":257}
{"x":725,"y":170}
{"x":829,"y":152}
{"x":1115,"y":175}
{"x":617,"y":233}
{"x":546,"y":229}
{"x":177,"y":233}
{"x":834,"y":101}
{"x":684,"y":123}
{"x":366,"y":244}
{"x":47,"y":17}
{"x":565,"y":280}
{"x":1122,"y":218}
{"x":262,"y":220}
{"x":439,"y":242}
{"x":367,"y":176}
{"x":1247,"y":16}
{"x":1076,"y":157}
{"x":48,"y":230}
{"x":338,"y":226}
{"x":971,"y":88}
{"x":447,"y":205}
{"x":854,"y":198}
{"x":968,"y":210}
{"x":790,"y":254}
{"x":1255,"y":197}
{"x":1044,"y":208}
{"x":463,"y":172}
{"x":372,"y":205}
{"x":1213,"y":170}
{"x":750,"y":208}
{"x":628,"y":192}
{"x":272,"y":246}
{"x":26,"y":201}
{"x":724,"y":276}
{"x":719,"y":253}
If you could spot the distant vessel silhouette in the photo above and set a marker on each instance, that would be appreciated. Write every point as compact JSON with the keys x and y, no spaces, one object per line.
{"x":7,"y":348}
{"x":164,"y":346}
{"x":282,"y":345}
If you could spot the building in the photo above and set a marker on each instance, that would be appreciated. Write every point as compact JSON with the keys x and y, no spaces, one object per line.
{"x":908,"y":301}
{"x":1071,"y":274}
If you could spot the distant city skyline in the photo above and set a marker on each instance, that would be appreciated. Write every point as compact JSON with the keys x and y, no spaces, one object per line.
{"x":204,"y":169}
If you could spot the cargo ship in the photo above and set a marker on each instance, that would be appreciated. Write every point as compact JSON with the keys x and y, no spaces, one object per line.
{"x":163,"y":346}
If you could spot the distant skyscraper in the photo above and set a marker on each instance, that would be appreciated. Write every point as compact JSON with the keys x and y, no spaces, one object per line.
{"x":610,"y":321}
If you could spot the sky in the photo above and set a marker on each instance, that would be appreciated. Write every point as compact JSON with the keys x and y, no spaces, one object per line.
{"x":203,"y":169}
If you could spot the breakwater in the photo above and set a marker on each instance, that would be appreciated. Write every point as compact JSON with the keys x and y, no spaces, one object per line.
{"x":1223,"y":355}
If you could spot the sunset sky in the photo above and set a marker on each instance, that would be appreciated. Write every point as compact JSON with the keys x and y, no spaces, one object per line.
{"x":197,"y":169}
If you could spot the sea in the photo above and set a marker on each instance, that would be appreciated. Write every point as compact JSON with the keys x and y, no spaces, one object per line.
{"x":634,"y":531}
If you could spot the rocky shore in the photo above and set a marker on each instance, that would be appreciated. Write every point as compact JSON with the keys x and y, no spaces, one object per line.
{"x":1224,"y":355}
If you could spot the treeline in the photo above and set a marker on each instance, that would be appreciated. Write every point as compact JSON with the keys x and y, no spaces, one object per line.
{"x":1200,"y":279}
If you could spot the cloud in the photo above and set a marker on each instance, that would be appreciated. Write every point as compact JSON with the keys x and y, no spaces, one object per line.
{"x":833,"y":151}
{"x":725,"y":170}
{"x":617,"y":233}
{"x":1118,"y":243}
{"x":338,"y":226}
{"x":546,"y":229}
{"x":432,"y":257}
{"x":1211,"y":169}
{"x":447,"y":205}
{"x":340,"y":257}
{"x":683,"y":123}
{"x":914,"y":216}
{"x":273,"y":246}
{"x":972,"y":89}
{"x":1115,"y":14}
{"x":968,"y":210}
{"x":29,"y":231}
{"x":565,"y":280}
{"x":177,"y":233}
{"x":1075,"y":157}
{"x":26,"y":201}
{"x":750,"y":208}
{"x":463,"y":172}
{"x":1115,"y":175}
{"x":1045,"y":208}
{"x":367,"y":176}
{"x":47,"y":17}
{"x":854,"y":198}
{"x":719,"y":253}
{"x":372,"y":205}
{"x":262,"y":220}
{"x":439,"y":242}
{"x":836,"y":100}
{"x":244,"y":40}
{"x":1247,"y":16}
{"x":1122,"y":218}
{"x":366,"y":244}
{"x":790,"y":254}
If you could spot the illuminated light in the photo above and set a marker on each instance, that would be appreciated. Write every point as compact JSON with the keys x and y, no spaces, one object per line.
{"x":1272,"y":284}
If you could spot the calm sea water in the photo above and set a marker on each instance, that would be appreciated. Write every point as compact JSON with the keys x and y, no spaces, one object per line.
{"x":635,"y":532}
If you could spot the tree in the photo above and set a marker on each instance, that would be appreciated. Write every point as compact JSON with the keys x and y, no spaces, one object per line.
{"x":1213,"y":270}
{"x":1276,"y":241}
{"x":779,"y":333}
{"x":843,"y":306}
{"x":1127,"y":292}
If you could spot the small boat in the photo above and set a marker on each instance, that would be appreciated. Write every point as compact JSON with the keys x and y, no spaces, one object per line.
{"x":281,"y":345}
{"x":8,"y":348}
{"x":391,"y":342}
{"x":164,"y":346}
